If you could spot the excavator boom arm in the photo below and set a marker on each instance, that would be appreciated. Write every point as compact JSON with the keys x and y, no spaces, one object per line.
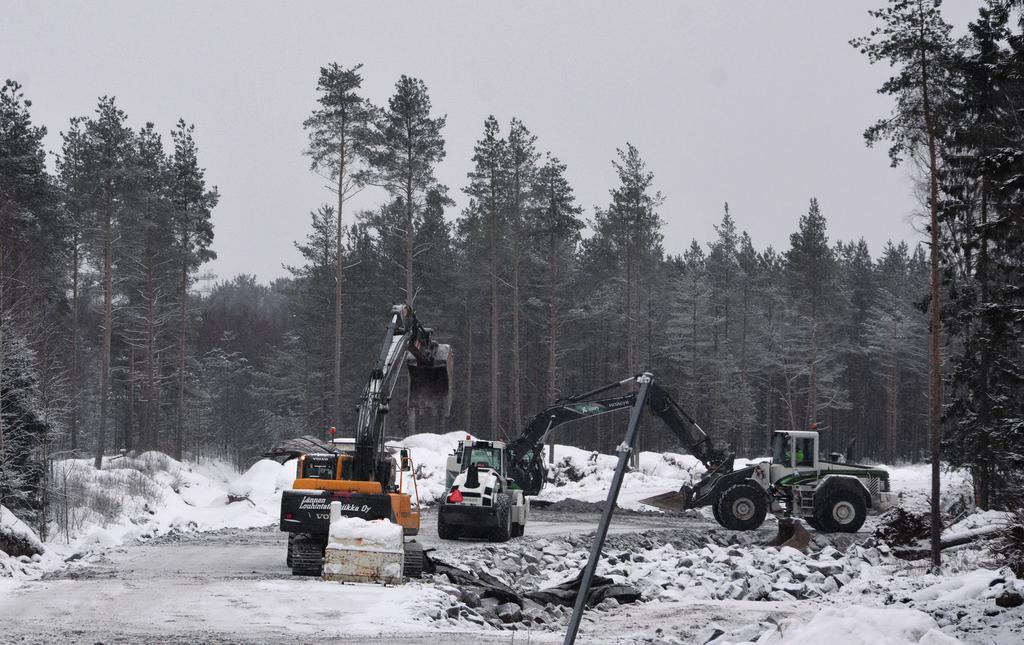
{"x":528,"y":464}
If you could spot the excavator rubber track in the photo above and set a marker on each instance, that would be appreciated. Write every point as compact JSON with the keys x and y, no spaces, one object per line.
{"x":307,"y":555}
{"x":414,"y":559}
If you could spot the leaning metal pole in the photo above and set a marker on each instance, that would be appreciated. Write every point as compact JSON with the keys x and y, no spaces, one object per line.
{"x":624,"y":450}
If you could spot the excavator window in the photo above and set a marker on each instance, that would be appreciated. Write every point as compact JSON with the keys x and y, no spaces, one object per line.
{"x":318,"y":467}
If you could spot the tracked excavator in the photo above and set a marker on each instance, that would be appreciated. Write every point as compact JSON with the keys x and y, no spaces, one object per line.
{"x":363,"y":478}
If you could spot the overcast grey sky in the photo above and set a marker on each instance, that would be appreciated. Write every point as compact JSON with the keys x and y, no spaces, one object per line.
{"x":761,"y":104}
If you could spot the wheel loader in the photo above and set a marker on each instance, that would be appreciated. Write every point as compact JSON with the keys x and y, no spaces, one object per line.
{"x":482,"y":499}
{"x":830,"y":495}
{"x":365,"y":476}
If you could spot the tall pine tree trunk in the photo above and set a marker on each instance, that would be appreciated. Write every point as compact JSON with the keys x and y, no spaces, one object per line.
{"x":149,"y":427}
{"x":983,"y":478}
{"x":74,"y":344}
{"x":812,"y":396}
{"x":2,"y":353}
{"x":935,"y":372}
{"x":409,"y":293}
{"x":467,"y":419}
{"x":338,"y":292}
{"x":179,"y":433}
{"x":108,"y":319}
{"x":552,"y":322}
{"x":495,"y":317}
{"x":514,"y":377}
{"x":129,"y":432}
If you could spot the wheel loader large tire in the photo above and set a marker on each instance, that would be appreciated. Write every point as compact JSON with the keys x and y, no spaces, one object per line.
{"x":714,"y":511}
{"x":503,"y":511}
{"x":839,"y":509}
{"x":446,"y":531}
{"x":307,"y":556}
{"x":742,"y":507}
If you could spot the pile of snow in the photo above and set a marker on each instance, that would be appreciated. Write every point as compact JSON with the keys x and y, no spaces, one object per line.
{"x":912,"y":482}
{"x":139,"y":498}
{"x":429,"y":454}
{"x":24,"y":559}
{"x":586,"y":476}
{"x":355,"y":533}
{"x":263,"y":480}
{"x":16,"y":537}
{"x":857,"y":625}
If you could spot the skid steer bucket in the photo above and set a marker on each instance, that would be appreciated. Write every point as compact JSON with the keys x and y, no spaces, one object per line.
{"x":430,"y":386}
{"x":792,"y":534}
{"x":675,"y":502}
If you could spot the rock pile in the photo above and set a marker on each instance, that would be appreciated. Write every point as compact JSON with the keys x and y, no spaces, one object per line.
{"x":537,"y":576}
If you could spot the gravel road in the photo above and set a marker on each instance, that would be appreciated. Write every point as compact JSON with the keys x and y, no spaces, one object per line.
{"x":230,"y":586}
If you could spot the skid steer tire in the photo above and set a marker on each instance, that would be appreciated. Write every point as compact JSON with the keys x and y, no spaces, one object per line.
{"x":503,"y":512}
{"x":446,"y":531}
{"x":307,"y":556}
{"x":518,"y":529}
{"x":839,"y":509}
{"x":742,"y":507}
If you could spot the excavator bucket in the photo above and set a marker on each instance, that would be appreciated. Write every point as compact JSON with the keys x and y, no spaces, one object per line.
{"x":675,"y":502}
{"x":792,"y":534}
{"x":430,"y":386}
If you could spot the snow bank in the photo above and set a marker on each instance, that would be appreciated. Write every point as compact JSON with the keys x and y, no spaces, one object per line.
{"x":24,"y":559}
{"x":15,"y":532}
{"x":860,"y":625}
{"x":429,"y":454}
{"x":143,"y":497}
{"x":260,"y":481}
{"x":586,"y":476}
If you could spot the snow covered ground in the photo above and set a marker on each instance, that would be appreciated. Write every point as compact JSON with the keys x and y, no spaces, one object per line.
{"x":202,"y":536}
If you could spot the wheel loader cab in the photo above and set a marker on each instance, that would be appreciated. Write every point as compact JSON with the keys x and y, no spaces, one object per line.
{"x":483,"y":454}
{"x":794,"y":451}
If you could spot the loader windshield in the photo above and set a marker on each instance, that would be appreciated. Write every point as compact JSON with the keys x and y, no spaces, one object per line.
{"x":780,"y":450}
{"x":483,"y":458}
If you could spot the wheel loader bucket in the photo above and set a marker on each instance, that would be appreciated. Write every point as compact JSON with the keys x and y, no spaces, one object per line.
{"x":792,"y":534}
{"x":430,"y":386}
{"x":675,"y":502}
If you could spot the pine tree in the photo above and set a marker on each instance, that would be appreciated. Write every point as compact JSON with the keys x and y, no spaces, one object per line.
{"x":28,"y":234}
{"x":405,"y":146}
{"x":487,"y":183}
{"x":338,"y":131}
{"x":520,"y":171}
{"x":914,"y":38}
{"x":556,"y":218}
{"x":110,"y":170}
{"x":192,"y":227}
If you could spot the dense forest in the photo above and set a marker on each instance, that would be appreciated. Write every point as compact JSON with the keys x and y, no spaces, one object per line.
{"x":107,"y":344}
